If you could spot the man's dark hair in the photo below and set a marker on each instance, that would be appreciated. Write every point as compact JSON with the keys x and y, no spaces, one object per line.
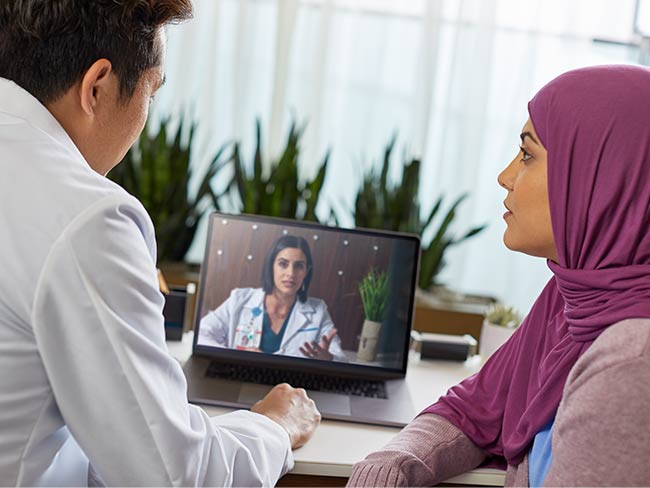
{"x":47,"y":45}
{"x":285,"y":242}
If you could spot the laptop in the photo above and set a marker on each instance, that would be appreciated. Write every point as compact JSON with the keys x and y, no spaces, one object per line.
{"x":322,"y":308}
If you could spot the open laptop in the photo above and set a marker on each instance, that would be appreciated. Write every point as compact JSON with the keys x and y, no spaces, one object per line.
{"x":246,"y":341}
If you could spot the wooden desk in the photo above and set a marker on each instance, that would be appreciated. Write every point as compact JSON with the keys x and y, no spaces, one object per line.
{"x":323,"y":461}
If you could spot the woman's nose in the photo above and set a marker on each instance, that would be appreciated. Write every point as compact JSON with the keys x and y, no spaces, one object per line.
{"x":507,"y":177}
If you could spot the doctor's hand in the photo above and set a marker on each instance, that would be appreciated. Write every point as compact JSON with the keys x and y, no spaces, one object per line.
{"x":292,"y":409}
{"x":319,"y":351}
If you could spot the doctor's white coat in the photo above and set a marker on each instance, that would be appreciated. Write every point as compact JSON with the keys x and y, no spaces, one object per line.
{"x":85,"y":372}
{"x":309,"y":321}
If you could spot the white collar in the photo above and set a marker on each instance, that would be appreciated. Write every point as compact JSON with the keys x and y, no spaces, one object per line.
{"x":256,"y":299}
{"x":19,"y":103}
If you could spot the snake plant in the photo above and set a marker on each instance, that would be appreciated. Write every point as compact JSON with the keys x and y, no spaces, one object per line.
{"x":276,"y":189}
{"x":396,"y":207}
{"x":157,"y":171}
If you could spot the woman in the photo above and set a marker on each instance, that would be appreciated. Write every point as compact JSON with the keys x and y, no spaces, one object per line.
{"x":566,"y":400}
{"x":279,"y":318}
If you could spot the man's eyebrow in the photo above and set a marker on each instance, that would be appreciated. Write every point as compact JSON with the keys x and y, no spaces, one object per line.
{"x":524,"y":134}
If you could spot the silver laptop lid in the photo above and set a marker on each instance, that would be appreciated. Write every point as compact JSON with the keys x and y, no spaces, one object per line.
{"x":352,"y":292}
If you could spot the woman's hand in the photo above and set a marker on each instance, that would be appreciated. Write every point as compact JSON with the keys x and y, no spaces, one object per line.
{"x":319,"y":351}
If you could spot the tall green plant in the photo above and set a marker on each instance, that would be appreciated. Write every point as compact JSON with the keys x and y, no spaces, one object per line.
{"x":157,"y":171}
{"x":380,"y":205}
{"x":373,"y":289}
{"x":396,"y":207}
{"x":433,"y":253}
{"x":277,"y":190}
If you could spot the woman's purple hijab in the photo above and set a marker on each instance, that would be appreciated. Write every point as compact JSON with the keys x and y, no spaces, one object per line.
{"x":595,"y":125}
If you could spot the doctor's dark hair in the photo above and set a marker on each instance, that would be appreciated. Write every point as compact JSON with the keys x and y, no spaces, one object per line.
{"x":47,"y":45}
{"x":284,"y":242}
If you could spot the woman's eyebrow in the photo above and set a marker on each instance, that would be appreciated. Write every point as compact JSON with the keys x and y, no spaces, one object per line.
{"x":528,"y":134}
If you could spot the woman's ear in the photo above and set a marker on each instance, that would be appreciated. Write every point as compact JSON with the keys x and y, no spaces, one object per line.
{"x":98,"y":86}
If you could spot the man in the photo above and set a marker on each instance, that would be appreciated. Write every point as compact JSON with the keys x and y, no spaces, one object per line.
{"x":88,"y":392}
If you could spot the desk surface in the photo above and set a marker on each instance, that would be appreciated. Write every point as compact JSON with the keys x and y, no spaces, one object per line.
{"x":323,"y":456}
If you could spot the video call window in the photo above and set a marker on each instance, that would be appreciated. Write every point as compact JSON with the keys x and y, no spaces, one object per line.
{"x":307,"y":292}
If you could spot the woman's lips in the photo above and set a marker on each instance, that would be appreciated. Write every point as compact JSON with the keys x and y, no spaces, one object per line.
{"x":508,"y":213}
{"x":289,"y":284}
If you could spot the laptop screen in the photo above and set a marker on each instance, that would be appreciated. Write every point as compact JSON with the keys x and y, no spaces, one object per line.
{"x":294,"y":293}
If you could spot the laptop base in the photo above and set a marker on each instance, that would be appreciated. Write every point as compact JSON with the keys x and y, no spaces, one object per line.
{"x":395,"y":411}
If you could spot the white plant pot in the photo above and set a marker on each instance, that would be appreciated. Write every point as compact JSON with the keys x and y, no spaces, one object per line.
{"x":368,"y":341}
{"x":492,"y":338}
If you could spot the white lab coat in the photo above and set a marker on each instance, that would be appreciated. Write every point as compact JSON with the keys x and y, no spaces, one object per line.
{"x":85,"y":372}
{"x":309,"y":321}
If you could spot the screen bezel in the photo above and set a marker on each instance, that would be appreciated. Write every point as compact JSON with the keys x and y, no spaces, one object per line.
{"x":306,"y":364}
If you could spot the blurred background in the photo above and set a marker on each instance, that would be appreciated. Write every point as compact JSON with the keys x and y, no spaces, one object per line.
{"x":330,"y":84}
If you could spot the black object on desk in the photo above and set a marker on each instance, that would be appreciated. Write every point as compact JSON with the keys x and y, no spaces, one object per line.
{"x":444,"y":346}
{"x":174,"y":313}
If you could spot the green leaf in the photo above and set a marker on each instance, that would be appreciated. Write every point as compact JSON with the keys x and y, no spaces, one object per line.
{"x":313,"y":188}
{"x":278,"y":191}
{"x":157,"y":171}
{"x":373,"y":289}
{"x":396,"y":207}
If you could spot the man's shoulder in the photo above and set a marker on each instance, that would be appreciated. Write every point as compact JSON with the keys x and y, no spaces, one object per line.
{"x":49,"y":177}
{"x":48,"y":191}
{"x":117,"y":205}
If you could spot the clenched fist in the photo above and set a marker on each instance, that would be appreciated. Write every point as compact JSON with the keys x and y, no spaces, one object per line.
{"x":292,"y":409}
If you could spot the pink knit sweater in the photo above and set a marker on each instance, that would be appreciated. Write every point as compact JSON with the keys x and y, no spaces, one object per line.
{"x":601,"y":435}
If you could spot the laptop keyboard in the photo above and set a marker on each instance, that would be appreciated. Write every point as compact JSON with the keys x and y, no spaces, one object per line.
{"x":297,"y":379}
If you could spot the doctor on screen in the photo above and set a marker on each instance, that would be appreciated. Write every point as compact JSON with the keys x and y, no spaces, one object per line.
{"x":280,"y":317}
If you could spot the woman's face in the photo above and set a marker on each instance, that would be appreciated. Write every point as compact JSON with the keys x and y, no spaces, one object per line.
{"x":289,"y":270}
{"x":528,"y":218}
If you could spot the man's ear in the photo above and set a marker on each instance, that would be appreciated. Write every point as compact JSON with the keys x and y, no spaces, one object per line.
{"x":96,"y":84}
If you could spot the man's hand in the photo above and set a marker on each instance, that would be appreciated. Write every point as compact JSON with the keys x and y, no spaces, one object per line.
{"x":292,"y":409}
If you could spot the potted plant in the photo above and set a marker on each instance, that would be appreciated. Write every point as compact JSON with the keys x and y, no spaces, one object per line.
{"x":433,"y":252}
{"x":396,"y":207}
{"x":276,"y":189}
{"x":498,"y":325}
{"x":373,"y":289}
{"x":380,"y":205}
{"x":157,"y":171}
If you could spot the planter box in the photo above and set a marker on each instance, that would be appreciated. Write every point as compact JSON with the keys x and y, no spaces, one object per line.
{"x":458,"y":316}
{"x":492,"y":337}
